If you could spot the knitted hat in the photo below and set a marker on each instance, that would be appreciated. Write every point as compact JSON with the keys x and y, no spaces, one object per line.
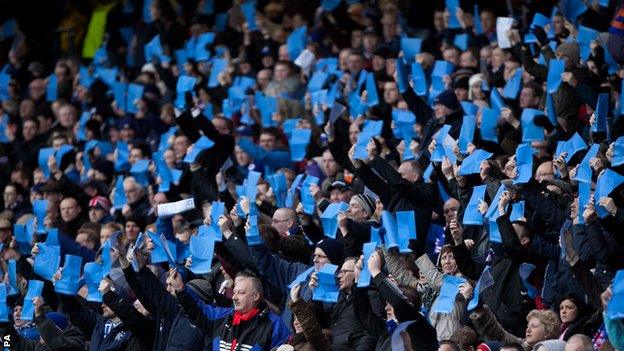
{"x":569,"y":49}
{"x":202,"y":288}
{"x":100,"y":202}
{"x":448,"y":99}
{"x":104,"y":166}
{"x":367,"y":203}
{"x":333,"y":249}
{"x":59,"y":319}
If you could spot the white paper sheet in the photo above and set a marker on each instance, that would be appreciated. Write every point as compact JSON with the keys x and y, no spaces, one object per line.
{"x":171,"y":208}
{"x":503,"y":24}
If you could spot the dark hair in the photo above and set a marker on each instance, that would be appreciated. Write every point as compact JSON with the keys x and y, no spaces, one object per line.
{"x":512,"y":345}
{"x":450,"y":343}
{"x":537,"y":89}
{"x":465,"y":337}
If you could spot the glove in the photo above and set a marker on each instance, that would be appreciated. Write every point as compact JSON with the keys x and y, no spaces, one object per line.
{"x":540,"y":35}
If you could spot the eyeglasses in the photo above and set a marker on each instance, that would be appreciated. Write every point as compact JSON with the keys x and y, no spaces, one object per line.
{"x":345,"y":271}
{"x":280,"y":220}
{"x":315,"y":256}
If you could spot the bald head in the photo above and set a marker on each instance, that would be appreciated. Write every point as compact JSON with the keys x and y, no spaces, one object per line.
{"x":545,"y":172}
{"x":579,"y":342}
{"x":284,"y":219}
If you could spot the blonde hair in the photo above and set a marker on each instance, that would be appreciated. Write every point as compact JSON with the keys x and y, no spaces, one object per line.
{"x":550,"y":320}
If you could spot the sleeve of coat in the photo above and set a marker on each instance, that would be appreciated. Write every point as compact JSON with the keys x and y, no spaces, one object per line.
{"x":418,"y":191}
{"x":275,"y":270}
{"x":591,"y":286}
{"x":80,"y":316}
{"x":139,"y":325}
{"x":374,"y":325}
{"x":17,"y":341}
{"x":139,"y":290}
{"x":534,"y":69}
{"x":395,"y":267}
{"x":489,"y":328}
{"x":430,"y":271}
{"x":403,"y":310}
{"x":310,"y":325}
{"x":185,"y":121}
{"x":56,"y":340}
{"x":164,"y":302}
{"x":465,"y":264}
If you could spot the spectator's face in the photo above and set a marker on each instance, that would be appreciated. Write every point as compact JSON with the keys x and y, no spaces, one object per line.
{"x":461,"y":93}
{"x":485,"y":55}
{"x":17,"y":316}
{"x":346,"y":276}
{"x":528,"y":98}
{"x":10,"y":196}
{"x":451,"y":55}
{"x":446,"y":347}
{"x":297,"y":326}
{"x":83,"y":239}
{"x":132,"y":192}
{"x":220,"y":125}
{"x":267,"y":141}
{"x":354,"y":133}
{"x":450,"y":210}
{"x":69,"y":209}
{"x":135,"y":155}
{"x":105,"y":234}
{"x":477,"y":93}
{"x":558,"y":24}
{"x":34,"y":195}
{"x":389,"y":312}
{"x":343,"y":58}
{"x":487,"y":21}
{"x":356,"y":212}
{"x":29,"y":130}
{"x":107,"y":312}
{"x":282,"y":221}
{"x":180,"y":144}
{"x":27,"y":109}
{"x":545,"y":172}
{"x":67,"y":116}
{"x":370,"y":42}
{"x":131,"y":231}
{"x":449,"y":266}
{"x":438,"y":20}
{"x":169,"y":157}
{"x":263,"y":78}
{"x":36,"y":89}
{"x":498,"y":57}
{"x":389,"y":27}
{"x":335,"y":196}
{"x":408,"y":172}
{"x":96,"y":214}
{"x":391,"y":93}
{"x":242,"y":158}
{"x":330,"y":167}
{"x":379,"y":63}
{"x":244,"y":297}
{"x":58,"y":142}
{"x":282,"y":53}
{"x":319,"y":259}
{"x":466,"y":60}
{"x":354,"y":63}
{"x":441,"y":111}
{"x":535,"y":331}
{"x":281,"y":73}
{"x":567,"y":311}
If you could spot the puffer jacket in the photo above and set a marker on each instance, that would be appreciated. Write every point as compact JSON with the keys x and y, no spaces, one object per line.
{"x":445,"y":323}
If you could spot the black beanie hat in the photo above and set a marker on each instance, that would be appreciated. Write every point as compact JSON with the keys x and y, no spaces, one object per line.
{"x":333,"y":249}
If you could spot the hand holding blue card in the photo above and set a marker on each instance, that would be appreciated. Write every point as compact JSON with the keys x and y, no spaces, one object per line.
{"x":34,"y":290}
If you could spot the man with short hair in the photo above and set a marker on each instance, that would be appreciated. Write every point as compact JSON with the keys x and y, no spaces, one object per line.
{"x":71,"y":216}
{"x":290,"y":240}
{"x":249,"y":324}
{"x":137,"y":202}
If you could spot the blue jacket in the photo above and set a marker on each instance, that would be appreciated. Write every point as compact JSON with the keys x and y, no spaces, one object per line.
{"x":265,"y":331}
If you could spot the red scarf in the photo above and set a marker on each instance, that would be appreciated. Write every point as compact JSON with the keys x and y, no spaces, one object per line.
{"x":242,"y":317}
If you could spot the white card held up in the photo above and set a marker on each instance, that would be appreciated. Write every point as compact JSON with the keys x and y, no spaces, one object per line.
{"x":172,"y":208}
{"x":305,"y":60}
{"x":503,"y":24}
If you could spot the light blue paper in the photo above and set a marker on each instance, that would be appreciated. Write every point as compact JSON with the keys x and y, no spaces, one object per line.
{"x":472,"y":216}
{"x":601,"y":113}
{"x":410,"y":47}
{"x":389,"y":224}
{"x":52,"y":88}
{"x":485,"y":281}
{"x":441,"y":69}
{"x":512,"y":87}
{"x":419,"y":79}
{"x":372,"y":98}
{"x":218,"y":66}
{"x":451,"y":6}
{"x":402,"y":80}
{"x":584,"y":193}
{"x":517,"y":211}
{"x":365,"y":275}
{"x":329,"y":218}
{"x":277,"y":182}
{"x":327,"y":289}
{"x":555,"y":69}
{"x":301,"y":278}
{"x":306,"y":197}
{"x":472,"y":163}
{"x":298,"y":143}
{"x":496,"y":100}
{"x":607,"y":182}
{"x":34,"y":290}
{"x":40,"y":208}
{"x":530,"y":131}
{"x":524,"y":163}
{"x":93,"y":275}
{"x":291,"y":191}
{"x":296,"y":42}
{"x":585,"y":37}
{"x":184,"y":85}
{"x":202,"y":251}
{"x":445,"y":302}
{"x":406,"y":229}
{"x":69,"y":282}
{"x":584,"y":171}
{"x":4,"y":310}
{"x":615,"y":307}
{"x":201,"y":48}
{"x":489,"y":119}
{"x":466,"y":134}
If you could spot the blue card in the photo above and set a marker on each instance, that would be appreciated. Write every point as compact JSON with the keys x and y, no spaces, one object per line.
{"x":555,"y":69}
{"x":448,"y":292}
{"x":296,"y":42}
{"x":419,"y":79}
{"x":68,"y":284}
{"x":365,"y":275}
{"x":472,"y":163}
{"x":410,"y":47}
{"x":466,"y":134}
{"x":485,"y":281}
{"x":329,"y":218}
{"x":489,"y":120}
{"x":93,"y":275}
{"x":306,"y":197}
{"x":512,"y":87}
{"x":601,"y":113}
{"x":615,"y":307}
{"x":406,"y":229}
{"x":298,"y":143}
{"x":530,"y":131}
{"x":202,"y":251}
{"x":301,"y":278}
{"x":607,"y":182}
{"x":34,"y":290}
{"x":389,"y":224}
{"x":472,"y":216}
{"x":52,"y":88}
{"x":327,"y":289}
{"x":524,"y":163}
